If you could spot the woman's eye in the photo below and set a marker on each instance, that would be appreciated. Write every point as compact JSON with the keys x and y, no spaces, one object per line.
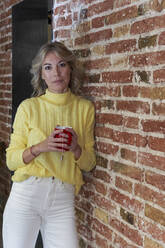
{"x":62,"y":64}
{"x":48,"y":67}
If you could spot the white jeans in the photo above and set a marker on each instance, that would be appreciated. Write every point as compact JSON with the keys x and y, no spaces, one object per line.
{"x":44,"y":204}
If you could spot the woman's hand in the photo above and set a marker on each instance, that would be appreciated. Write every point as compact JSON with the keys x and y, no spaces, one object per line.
{"x":74,"y":147}
{"x":53,"y":143}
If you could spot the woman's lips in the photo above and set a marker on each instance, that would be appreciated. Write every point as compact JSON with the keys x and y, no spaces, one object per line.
{"x":58,"y":81}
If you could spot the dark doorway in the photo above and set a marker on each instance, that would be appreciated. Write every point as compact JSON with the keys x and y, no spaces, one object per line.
{"x":29,"y":32}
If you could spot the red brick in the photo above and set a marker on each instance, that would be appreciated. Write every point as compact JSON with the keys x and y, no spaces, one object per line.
{"x":64,"y":21}
{"x":131,"y":91}
{"x":102,"y":91}
{"x":100,"y":7}
{"x":5,"y":136}
{"x":156,"y":180}
{"x":120,"y":242}
{"x":151,"y":228}
{"x":151,"y":160}
{"x":123,"y":184}
{"x":140,"y":60}
{"x":158,"y":109}
{"x":128,"y":155}
{"x":64,"y":33}
{"x":85,"y":231}
{"x":104,"y":132}
{"x":100,"y":242}
{"x":94,"y":78}
{"x":159,"y":76}
{"x":117,"y":77}
{"x":132,"y":234}
{"x":148,"y":25}
{"x":121,"y":137}
{"x":5,"y":71}
{"x":100,"y":228}
{"x":94,"y":37}
{"x":150,"y":195}
{"x":161,"y":39}
{"x":112,"y":119}
{"x":122,"y":15}
{"x":107,"y":148}
{"x":4,"y":110}
{"x":131,"y":122}
{"x":153,"y":126}
{"x":121,"y":46}
{"x":104,"y":203}
{"x":130,"y":204}
{"x":84,"y":205}
{"x":60,"y":10}
{"x":121,"y":3}
{"x":102,"y":175}
{"x":129,"y":138}
{"x":5,"y":128}
{"x":157,"y":144}
{"x":97,"y":64}
{"x":4,"y":119}
{"x":100,"y":187}
{"x":101,"y":161}
{"x":133,"y":106}
{"x":102,"y":104}
{"x":98,"y":22}
{"x":127,"y":170}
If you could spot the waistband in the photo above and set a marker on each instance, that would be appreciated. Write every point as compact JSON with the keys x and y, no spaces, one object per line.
{"x":44,"y":180}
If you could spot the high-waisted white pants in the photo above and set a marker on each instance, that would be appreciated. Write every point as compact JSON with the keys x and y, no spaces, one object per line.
{"x":44,"y":204}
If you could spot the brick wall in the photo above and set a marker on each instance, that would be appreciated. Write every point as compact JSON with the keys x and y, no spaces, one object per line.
{"x":5,"y":98}
{"x":122,"y":46}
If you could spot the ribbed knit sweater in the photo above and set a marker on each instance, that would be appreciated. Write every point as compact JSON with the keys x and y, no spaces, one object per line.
{"x":35,"y":120}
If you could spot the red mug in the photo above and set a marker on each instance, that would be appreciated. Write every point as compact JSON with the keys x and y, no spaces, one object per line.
{"x":63,"y":130}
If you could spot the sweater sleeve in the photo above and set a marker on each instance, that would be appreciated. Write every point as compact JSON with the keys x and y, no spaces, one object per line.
{"x":18,"y":140}
{"x":87,"y":159}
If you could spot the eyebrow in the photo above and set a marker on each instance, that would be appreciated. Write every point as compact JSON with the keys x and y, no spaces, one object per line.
{"x":47,"y":64}
{"x":57,"y":63}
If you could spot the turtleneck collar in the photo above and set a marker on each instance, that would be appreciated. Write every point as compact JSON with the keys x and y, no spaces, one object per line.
{"x":58,"y":99}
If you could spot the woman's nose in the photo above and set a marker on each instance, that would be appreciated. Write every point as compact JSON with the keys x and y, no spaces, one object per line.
{"x":56,"y":70}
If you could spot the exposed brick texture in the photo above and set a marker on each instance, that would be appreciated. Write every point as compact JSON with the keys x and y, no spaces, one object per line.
{"x":122,"y":202}
{"x":121,"y":44}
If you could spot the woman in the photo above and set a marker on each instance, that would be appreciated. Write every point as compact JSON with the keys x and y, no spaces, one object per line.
{"x":47,"y":170}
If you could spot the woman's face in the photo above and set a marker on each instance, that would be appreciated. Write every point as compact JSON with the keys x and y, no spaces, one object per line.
{"x":56,"y":73}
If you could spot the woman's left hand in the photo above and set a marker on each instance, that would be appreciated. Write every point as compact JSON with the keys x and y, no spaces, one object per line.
{"x":74,"y":147}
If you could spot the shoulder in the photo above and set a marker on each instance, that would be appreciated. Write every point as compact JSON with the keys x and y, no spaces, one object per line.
{"x":29,"y":103}
{"x":85,"y":103}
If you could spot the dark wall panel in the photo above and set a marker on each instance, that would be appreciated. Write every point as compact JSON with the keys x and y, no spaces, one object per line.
{"x":30,"y":31}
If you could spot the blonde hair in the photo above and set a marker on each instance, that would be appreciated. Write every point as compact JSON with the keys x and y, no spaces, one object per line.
{"x":38,"y":84}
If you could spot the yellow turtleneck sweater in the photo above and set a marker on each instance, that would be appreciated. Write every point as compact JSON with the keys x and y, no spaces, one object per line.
{"x":35,"y":120}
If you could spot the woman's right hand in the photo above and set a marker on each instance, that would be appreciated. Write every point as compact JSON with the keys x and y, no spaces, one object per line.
{"x":52,"y":143}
